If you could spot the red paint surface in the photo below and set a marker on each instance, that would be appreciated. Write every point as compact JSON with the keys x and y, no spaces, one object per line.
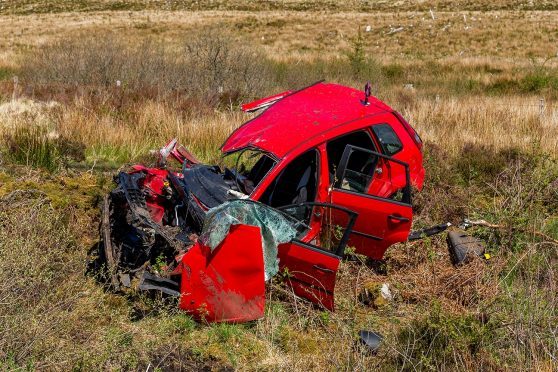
{"x":153,"y":184}
{"x":373,"y":219}
{"x":311,"y":272}
{"x":264,"y":102}
{"x":226,"y":285}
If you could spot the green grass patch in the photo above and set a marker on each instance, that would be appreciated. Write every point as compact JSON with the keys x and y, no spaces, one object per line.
{"x":36,"y":146}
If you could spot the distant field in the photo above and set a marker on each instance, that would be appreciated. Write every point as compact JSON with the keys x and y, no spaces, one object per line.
{"x":513,"y":36}
{"x":38,"y":6}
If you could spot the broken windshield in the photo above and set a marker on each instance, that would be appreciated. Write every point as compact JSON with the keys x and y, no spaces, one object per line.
{"x":275,"y":227}
{"x":247,"y":167}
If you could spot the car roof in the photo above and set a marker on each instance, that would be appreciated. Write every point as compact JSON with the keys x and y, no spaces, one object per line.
{"x":302,"y":115}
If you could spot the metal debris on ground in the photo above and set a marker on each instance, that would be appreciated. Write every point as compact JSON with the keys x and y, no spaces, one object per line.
{"x":464,"y":247}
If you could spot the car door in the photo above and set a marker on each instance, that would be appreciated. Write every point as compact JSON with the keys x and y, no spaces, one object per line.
{"x":381,"y":183}
{"x":311,"y":261}
{"x":225,"y":285}
{"x":381,"y":221}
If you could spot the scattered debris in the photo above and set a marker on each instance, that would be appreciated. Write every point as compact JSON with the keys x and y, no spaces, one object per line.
{"x":376,"y":294}
{"x":469,"y":223}
{"x":393,"y":30}
{"x":429,"y":231}
{"x":385,"y":292}
{"x":371,"y":339}
{"x":463,"y":247}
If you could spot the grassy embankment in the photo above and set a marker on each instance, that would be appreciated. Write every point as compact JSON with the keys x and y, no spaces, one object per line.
{"x":490,"y":153}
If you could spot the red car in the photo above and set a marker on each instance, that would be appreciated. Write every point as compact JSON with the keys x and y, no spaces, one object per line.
{"x":319,"y":169}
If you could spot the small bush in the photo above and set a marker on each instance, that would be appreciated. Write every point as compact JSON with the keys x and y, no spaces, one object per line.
{"x":482,"y":163}
{"x":5,"y":73}
{"x":393,"y":71}
{"x":538,"y":81}
{"x":363,"y":66}
{"x":218,"y":67}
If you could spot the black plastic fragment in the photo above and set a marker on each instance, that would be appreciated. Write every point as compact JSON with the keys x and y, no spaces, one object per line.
{"x":149,"y":281}
{"x":419,"y":234}
{"x":463,"y":247}
{"x":371,"y":339}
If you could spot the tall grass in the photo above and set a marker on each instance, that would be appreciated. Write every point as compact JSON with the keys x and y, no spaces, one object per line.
{"x":35,"y":146}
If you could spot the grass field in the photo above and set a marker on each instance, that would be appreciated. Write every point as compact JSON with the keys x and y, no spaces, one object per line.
{"x":478,"y":80}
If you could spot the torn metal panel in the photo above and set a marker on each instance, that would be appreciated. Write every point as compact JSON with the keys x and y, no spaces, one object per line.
{"x":225,"y":284}
{"x":151,"y":282}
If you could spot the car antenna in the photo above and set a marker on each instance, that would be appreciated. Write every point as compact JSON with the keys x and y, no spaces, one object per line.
{"x":367,"y":93}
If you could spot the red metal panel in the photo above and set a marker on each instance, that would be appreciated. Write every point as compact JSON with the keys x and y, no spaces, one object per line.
{"x":226,"y":285}
{"x":264,"y":102}
{"x":153,"y":184}
{"x":302,"y":115}
{"x":374,"y":220}
{"x":312,"y":273}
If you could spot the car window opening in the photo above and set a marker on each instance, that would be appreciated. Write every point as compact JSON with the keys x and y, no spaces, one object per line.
{"x":336,"y":147}
{"x":359,"y":171}
{"x":247,"y":168}
{"x":391,"y":144}
{"x":295,"y":184}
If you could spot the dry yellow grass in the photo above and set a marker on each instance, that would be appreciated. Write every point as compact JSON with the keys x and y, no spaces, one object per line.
{"x":511,"y":35}
{"x":451,"y":123}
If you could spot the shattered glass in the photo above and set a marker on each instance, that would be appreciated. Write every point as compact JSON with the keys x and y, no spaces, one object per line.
{"x":274,"y":226}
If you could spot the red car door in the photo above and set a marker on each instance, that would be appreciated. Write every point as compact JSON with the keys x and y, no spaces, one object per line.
{"x":226,"y":285}
{"x":381,"y":221}
{"x":311,"y":263}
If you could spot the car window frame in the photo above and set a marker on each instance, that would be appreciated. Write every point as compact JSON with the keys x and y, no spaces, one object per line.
{"x":377,"y":138}
{"x":375,"y":144}
{"x":281,"y":169}
{"x":339,"y":175}
{"x":342,"y":245}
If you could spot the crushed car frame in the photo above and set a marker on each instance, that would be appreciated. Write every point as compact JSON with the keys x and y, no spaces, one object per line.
{"x":319,"y":169}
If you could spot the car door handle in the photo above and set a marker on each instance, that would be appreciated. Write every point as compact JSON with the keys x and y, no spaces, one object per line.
{"x":324,"y":269}
{"x":398,"y":218}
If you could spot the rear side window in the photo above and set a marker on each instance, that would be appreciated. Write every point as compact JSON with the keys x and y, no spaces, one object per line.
{"x":336,"y":147}
{"x":389,"y":141}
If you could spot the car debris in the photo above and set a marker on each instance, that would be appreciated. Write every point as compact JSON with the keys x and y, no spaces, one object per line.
{"x":319,"y":169}
{"x":429,"y":231}
{"x":463,"y":247}
{"x":375,"y":294}
{"x":372,"y":340}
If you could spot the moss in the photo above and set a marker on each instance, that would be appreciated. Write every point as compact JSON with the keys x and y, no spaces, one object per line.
{"x":294,"y":341}
{"x":81,"y":191}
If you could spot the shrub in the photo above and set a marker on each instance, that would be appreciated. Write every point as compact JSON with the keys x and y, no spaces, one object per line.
{"x":443,"y":339}
{"x":218,"y":67}
{"x":207,"y":66}
{"x":363,"y":66}
{"x":482,"y":163}
{"x":538,"y":81}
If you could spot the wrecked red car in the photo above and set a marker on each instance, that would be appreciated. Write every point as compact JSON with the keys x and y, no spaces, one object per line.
{"x":318,"y":170}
